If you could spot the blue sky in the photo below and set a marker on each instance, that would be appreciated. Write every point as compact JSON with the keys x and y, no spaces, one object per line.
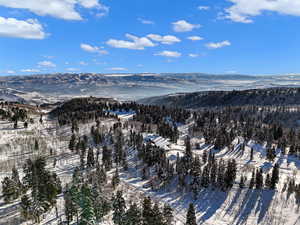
{"x":220,"y":36}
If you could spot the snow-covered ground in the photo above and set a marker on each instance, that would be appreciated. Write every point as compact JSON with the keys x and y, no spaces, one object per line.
{"x":238,"y":206}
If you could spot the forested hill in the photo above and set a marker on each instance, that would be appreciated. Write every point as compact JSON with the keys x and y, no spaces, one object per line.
{"x":263,"y":97}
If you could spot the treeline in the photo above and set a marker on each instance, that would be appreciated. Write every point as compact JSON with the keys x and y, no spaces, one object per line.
{"x":261,"y":124}
{"x":83,"y":110}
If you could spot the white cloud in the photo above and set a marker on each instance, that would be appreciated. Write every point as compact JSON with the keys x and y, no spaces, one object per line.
{"x":10,"y":72}
{"x":30,"y":70}
{"x":214,"y":45}
{"x":46,"y":64}
{"x":143,"y":21}
{"x":192,"y":55}
{"x":82,"y":63}
{"x":93,"y":49}
{"x":137,"y":43}
{"x":63,"y":9}
{"x":117,"y":69}
{"x":242,"y":10}
{"x":195,"y":38}
{"x":202,"y":7}
{"x":28,"y":29}
{"x":72,"y":69}
{"x":184,"y":26}
{"x":168,"y":39}
{"x":172,"y":54}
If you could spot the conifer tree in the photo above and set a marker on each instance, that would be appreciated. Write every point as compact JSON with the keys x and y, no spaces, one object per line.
{"x":25,"y":206}
{"x":242,"y":182}
{"x":268,"y":181}
{"x":191,"y":216}
{"x":90,"y":161}
{"x":168,"y":214}
{"x":147,"y":211}
{"x":133,"y":215}
{"x":275,"y":176}
{"x":9,"y":190}
{"x":252,"y":181}
{"x":259,"y":179}
{"x":188,"y":148}
{"x":72,"y":142}
{"x":87,"y":215}
{"x":115,"y":179}
{"x":119,"y":208}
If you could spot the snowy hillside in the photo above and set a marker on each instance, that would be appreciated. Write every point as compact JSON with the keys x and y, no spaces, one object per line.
{"x":140,"y":177}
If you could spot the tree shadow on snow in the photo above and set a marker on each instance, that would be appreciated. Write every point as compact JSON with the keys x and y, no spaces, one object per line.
{"x":262,"y":199}
{"x":264,"y":203}
{"x":210,"y":201}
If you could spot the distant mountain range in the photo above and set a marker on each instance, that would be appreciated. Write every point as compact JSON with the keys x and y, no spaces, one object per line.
{"x":132,"y":86}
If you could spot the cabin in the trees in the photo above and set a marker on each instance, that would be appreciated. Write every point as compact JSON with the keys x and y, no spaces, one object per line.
{"x":158,"y":141}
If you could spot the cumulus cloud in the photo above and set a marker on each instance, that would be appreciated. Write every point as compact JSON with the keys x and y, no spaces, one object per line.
{"x":93,"y":49}
{"x":143,"y":21}
{"x":202,"y":7}
{"x":215,"y":45}
{"x":10,"y":72}
{"x":28,"y":29}
{"x":63,"y":9}
{"x":168,"y":39}
{"x":30,"y":71}
{"x":46,"y":64}
{"x":117,"y":69}
{"x":195,"y":38}
{"x":242,"y":10}
{"x":172,"y":54}
{"x":136,"y":43}
{"x":192,"y":55}
{"x":184,"y":26}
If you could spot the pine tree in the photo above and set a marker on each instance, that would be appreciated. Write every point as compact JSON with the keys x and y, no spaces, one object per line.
{"x":115,"y":179}
{"x":87,"y":215}
{"x":157,"y":215}
{"x":191,"y":216}
{"x":133,"y":215}
{"x":275,"y":176}
{"x":72,"y":142}
{"x":70,"y":206}
{"x":168,"y":214}
{"x":259,"y":179}
{"x":119,"y":208}
{"x":9,"y":190}
{"x":16,"y":179}
{"x":268,"y":181}
{"x":100,"y":204}
{"x":251,"y":154}
{"x":205,"y":177}
{"x":147,"y":211}
{"x":204,"y":157}
{"x":188,"y":148}
{"x":36,"y":145}
{"x":90,"y":161}
{"x":25,"y":206}
{"x":242,"y":182}
{"x":230,"y":174}
{"x":107,"y":158}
